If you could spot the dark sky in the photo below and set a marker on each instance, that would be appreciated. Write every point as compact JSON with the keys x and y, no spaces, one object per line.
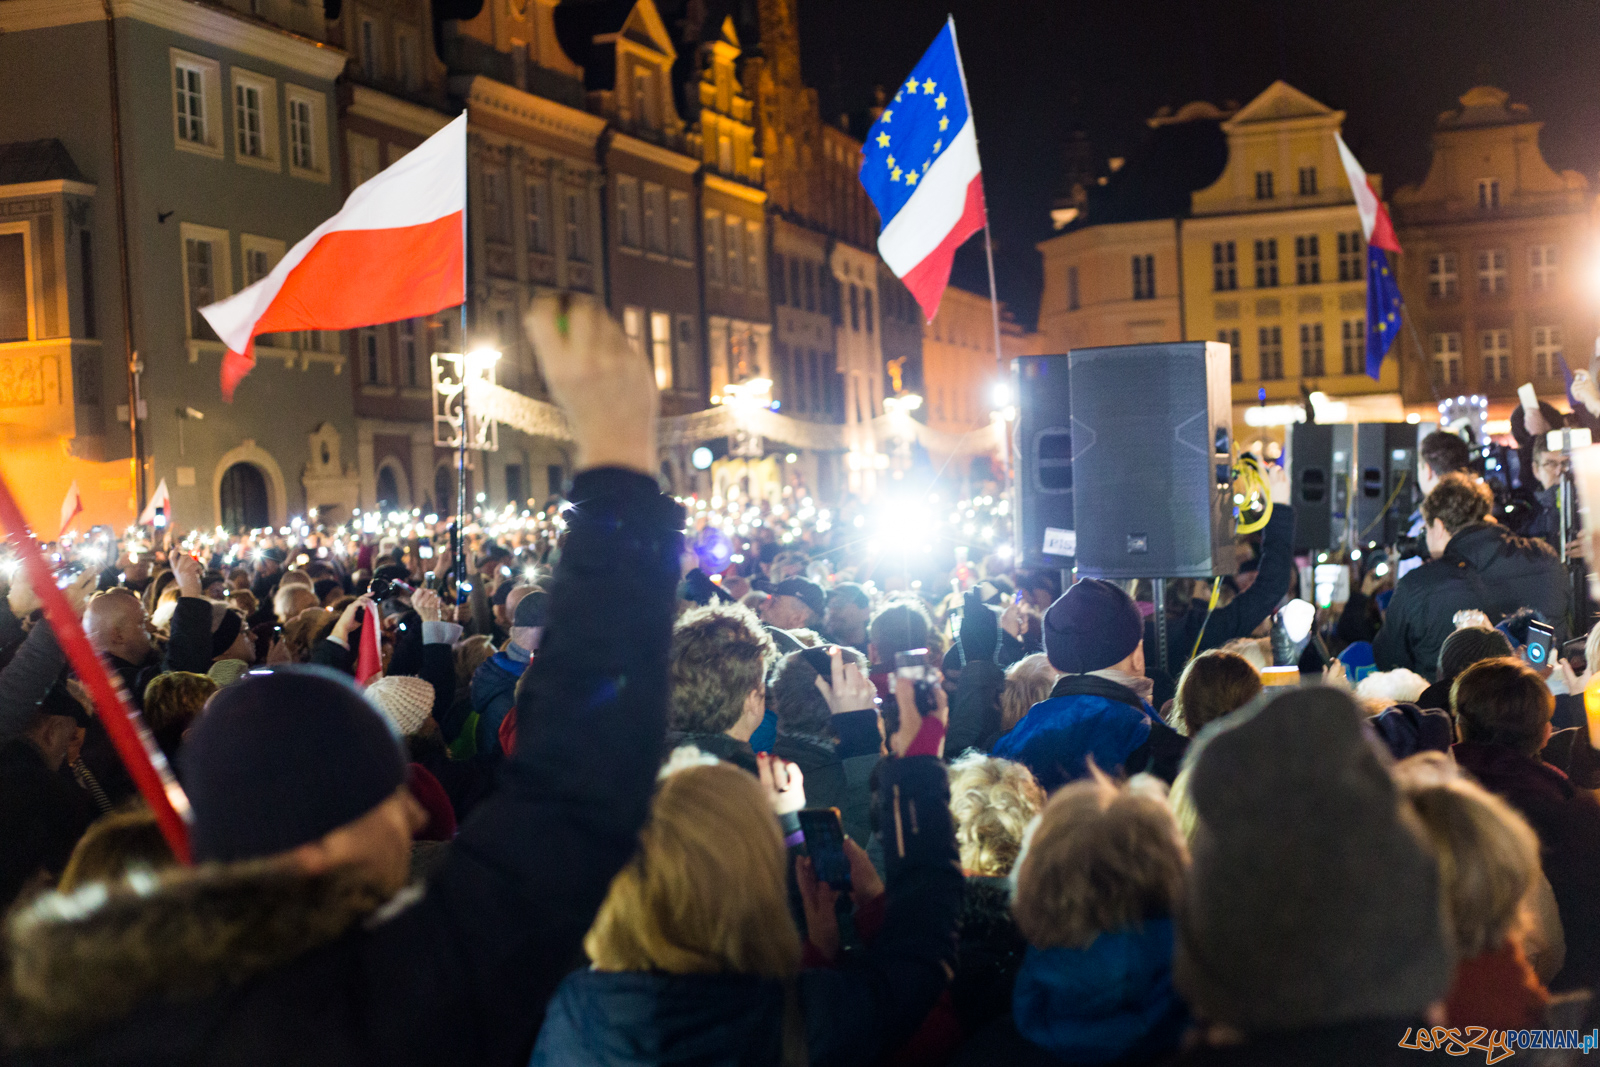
{"x":1037,"y":69}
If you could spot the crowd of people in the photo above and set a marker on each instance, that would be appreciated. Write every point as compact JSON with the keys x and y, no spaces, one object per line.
{"x":627,"y":802}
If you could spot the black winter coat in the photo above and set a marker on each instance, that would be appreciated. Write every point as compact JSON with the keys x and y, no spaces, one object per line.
{"x":284,"y":969}
{"x":1485,"y":567}
{"x":42,"y":815}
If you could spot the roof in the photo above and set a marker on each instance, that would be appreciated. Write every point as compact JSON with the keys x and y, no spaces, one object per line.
{"x":1171,"y":162}
{"x":579,"y":22}
{"x":37,"y":161}
{"x":1485,"y":105}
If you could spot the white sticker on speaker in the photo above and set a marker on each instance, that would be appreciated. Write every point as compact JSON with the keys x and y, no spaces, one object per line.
{"x":1060,"y":542}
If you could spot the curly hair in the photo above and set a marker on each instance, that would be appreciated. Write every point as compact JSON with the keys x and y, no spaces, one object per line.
{"x":799,"y":706}
{"x":992,"y":800}
{"x":719,"y":657}
{"x":1103,"y":857}
{"x":1213,"y":684}
{"x":1028,"y":681}
{"x":1458,"y":501}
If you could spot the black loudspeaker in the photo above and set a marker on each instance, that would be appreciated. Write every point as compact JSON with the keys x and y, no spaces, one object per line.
{"x":1043,"y":488}
{"x":1386,"y":481}
{"x":1319,"y":477}
{"x":1152,"y":458}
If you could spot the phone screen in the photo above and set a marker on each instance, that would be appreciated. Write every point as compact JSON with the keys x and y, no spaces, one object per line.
{"x":825,"y":845}
{"x":1540,"y":638}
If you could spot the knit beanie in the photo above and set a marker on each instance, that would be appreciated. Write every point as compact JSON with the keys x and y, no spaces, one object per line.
{"x":282,"y":758}
{"x":405,"y":698}
{"x":1094,"y":625}
{"x":1313,"y":898}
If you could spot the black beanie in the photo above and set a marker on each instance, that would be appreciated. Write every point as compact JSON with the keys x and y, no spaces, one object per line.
{"x":226,"y":632}
{"x":532,"y":610}
{"x":281,"y":758}
{"x":1094,"y":625}
{"x":1468,"y":646}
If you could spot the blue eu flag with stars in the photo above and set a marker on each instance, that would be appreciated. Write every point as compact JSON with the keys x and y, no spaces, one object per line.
{"x":1383,"y":309}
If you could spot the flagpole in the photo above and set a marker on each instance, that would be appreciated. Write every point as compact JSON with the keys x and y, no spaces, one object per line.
{"x":461,"y":453}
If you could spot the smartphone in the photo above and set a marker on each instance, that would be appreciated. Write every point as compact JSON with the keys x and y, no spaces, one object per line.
{"x":1529,"y":398}
{"x":819,"y":661}
{"x":914,"y":665}
{"x":824,"y":838}
{"x":425,"y":551}
{"x":1540,"y":638}
{"x":1576,"y":653}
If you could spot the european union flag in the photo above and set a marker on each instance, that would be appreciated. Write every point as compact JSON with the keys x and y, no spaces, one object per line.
{"x":1383,"y":309}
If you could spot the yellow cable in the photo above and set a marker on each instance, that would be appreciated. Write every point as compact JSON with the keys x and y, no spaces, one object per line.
{"x":1249,"y":471}
{"x":1216,"y":594}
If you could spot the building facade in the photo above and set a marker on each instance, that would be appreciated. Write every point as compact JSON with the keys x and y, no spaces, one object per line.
{"x":1492,"y":274}
{"x":1274,"y":263}
{"x":227,"y":118}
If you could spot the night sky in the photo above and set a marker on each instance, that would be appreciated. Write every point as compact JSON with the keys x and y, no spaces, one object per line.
{"x":1038,"y":69}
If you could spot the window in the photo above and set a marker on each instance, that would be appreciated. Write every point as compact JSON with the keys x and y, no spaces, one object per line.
{"x":794,"y":283}
{"x":655,"y":218}
{"x":1447,"y":358}
{"x":405,"y":61}
{"x":1271,"y":340}
{"x":628,"y":211}
{"x":754,"y":276}
{"x":207,"y":274}
{"x":1224,"y":266}
{"x":577,"y":221}
{"x":644,"y":97}
{"x":1353,"y":337}
{"x":661,"y":348}
{"x":1546,"y":351}
{"x":1263,"y":185}
{"x":256,"y":266}
{"x":1072,"y":289}
{"x":258,"y":255}
{"x":1307,"y":260}
{"x":1442,"y":274}
{"x":780,"y":294}
{"x":198,"y":102}
{"x":1144,"y":277}
{"x":1492,"y":271}
{"x":1488,"y":194}
{"x":725,"y":154}
{"x":1312,"y":364}
{"x":247,"y":122}
{"x":1542,"y":268}
{"x":1267,"y":263}
{"x":1308,"y":181}
{"x":538,"y":208}
{"x":369,"y":48}
{"x":733,"y":235}
{"x":714,"y":247}
{"x":1236,"y":357}
{"x":496,"y":206}
{"x":855,"y":307}
{"x":15,"y":302}
{"x":410,"y":361}
{"x":633,"y":327}
{"x":686,"y":356}
{"x":678,"y":227}
{"x":1495,"y":347}
{"x":1350,"y":256}
{"x":361,"y":155}
{"x":306,"y":112}
{"x":369,"y":357}
{"x":867,"y":309}
{"x":86,"y":276}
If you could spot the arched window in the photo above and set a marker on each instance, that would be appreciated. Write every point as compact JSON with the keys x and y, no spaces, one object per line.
{"x":244,"y":498}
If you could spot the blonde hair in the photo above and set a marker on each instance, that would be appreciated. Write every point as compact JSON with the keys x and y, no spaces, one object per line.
{"x":290,"y":600}
{"x":1488,"y":855}
{"x":992,"y":800}
{"x":706,"y":893}
{"x":1028,"y":681}
{"x":116,"y":843}
{"x":300,"y":633}
{"x":1102,"y":857}
{"x":174,"y":700}
{"x":471,"y":654}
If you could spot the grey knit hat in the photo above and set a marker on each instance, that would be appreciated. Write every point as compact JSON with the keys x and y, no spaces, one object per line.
{"x":1314,"y":898}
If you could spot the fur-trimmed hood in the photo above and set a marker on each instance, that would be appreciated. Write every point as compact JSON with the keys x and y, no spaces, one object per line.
{"x":74,"y":964}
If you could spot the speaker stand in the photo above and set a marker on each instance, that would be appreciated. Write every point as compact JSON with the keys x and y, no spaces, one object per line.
{"x":1158,"y":588}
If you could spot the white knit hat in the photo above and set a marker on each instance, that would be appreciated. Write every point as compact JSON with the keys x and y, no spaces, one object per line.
{"x":406,"y":699}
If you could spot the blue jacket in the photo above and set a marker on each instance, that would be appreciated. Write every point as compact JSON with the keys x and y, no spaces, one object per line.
{"x":494,"y":690}
{"x":1085,"y":718}
{"x":853,"y":1014}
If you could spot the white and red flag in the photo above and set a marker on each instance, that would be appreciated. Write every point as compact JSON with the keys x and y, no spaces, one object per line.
{"x":71,"y":508}
{"x":396,"y":250}
{"x":160,"y":499}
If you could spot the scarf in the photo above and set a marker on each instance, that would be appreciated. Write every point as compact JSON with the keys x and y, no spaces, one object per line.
{"x":1138,"y":683}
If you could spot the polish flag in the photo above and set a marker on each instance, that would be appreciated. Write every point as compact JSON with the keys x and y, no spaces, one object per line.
{"x":396,"y":250}
{"x":71,"y":508}
{"x":159,"y":499}
{"x":1375,"y":225}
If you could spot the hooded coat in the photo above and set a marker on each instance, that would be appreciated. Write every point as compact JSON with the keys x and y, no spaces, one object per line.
{"x":1091,"y":718}
{"x":249,"y":964}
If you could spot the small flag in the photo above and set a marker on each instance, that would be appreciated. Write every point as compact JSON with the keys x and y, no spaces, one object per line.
{"x":71,"y":508}
{"x":369,"y":656}
{"x":159,"y":499}
{"x":920,"y":167}
{"x":1383,"y":291}
{"x":396,"y":250}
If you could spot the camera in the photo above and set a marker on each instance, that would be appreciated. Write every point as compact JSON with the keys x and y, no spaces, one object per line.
{"x":1412,"y":547}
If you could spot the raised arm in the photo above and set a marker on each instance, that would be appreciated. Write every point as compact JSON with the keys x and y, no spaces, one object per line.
{"x":504,"y":919}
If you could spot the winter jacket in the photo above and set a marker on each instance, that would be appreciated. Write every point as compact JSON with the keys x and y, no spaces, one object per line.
{"x":1088,"y":717}
{"x":42,"y":815}
{"x":244,"y":964}
{"x":1485,"y":567}
{"x":975,"y":708}
{"x":1566,"y":817}
{"x":835,"y":777}
{"x":1110,"y":1002}
{"x":1241,"y":615}
{"x":852,"y":1013}
{"x":34,"y":666}
{"x":725,"y":748}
